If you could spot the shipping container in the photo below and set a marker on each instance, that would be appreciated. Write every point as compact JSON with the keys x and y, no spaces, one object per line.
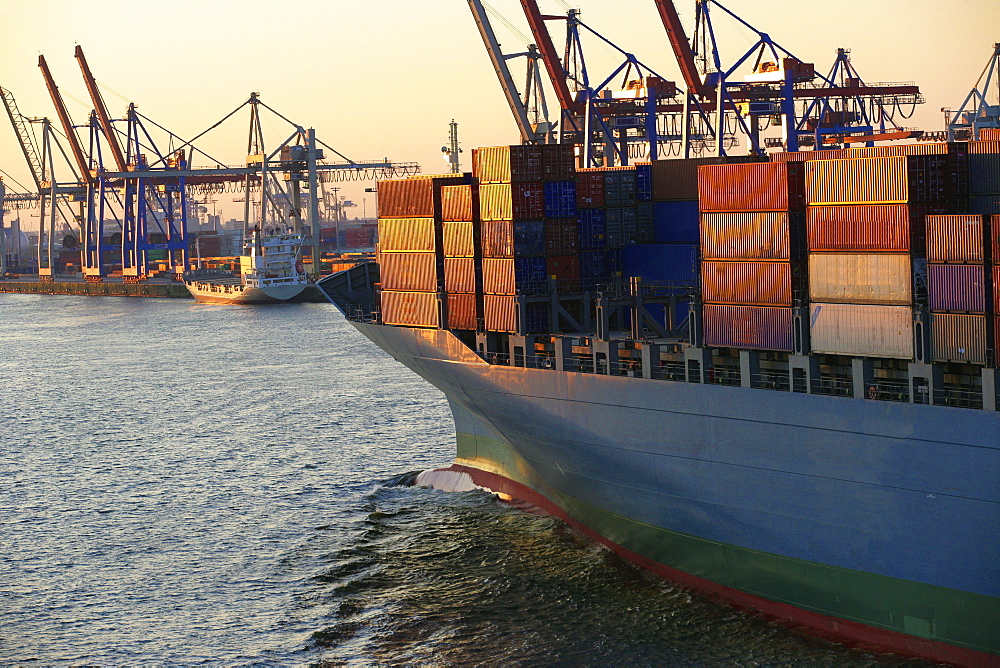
{"x":869,"y":227}
{"x":955,"y":238}
{"x":507,"y":164}
{"x":459,"y":274}
{"x":863,"y":330}
{"x":746,"y":236}
{"x":757,"y":283}
{"x":989,"y":134}
{"x":458,"y":239}
{"x":590,"y":188}
{"x":887,"y":180}
{"x":510,"y":201}
{"x":956,"y":287}
{"x":412,"y":309}
{"x":984,"y":172}
{"x":620,"y":223}
{"x":592,"y":229}
{"x":461,"y":311}
{"x":861,"y":278}
{"x":560,"y":199}
{"x":675,"y":222}
{"x":558,"y":162}
{"x":564,"y":268}
{"x":984,"y":147}
{"x":986,"y":205}
{"x":748,"y":327}
{"x":519,"y":238}
{"x":406,"y":234}
{"x":644,"y":232}
{"x":561,"y":236}
{"x":502,"y":276}
{"x":408,"y":271}
{"x":456,"y":203}
{"x":677,"y":179}
{"x":644,"y":182}
{"x":761,"y":186}
{"x":923,"y":148}
{"x":536,"y":319}
{"x":958,"y":338}
{"x":802,"y":156}
{"x":619,"y":186}
{"x":413,"y":197}
{"x":594,"y":266}
{"x":666,"y":263}
{"x":500,"y":313}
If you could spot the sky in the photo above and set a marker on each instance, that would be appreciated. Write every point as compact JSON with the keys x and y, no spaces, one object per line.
{"x":383,"y":78}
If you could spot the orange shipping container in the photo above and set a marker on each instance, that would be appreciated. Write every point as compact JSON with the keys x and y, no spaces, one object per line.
{"x":459,"y":274}
{"x":456,"y":203}
{"x":408,"y":271}
{"x":750,"y":283}
{"x":510,"y":201}
{"x":958,"y":338}
{"x":412,"y":309}
{"x":500,"y":313}
{"x":882,"y":180}
{"x":746,"y":236}
{"x":458,"y":239}
{"x":462,"y":311}
{"x":868,"y":227}
{"x":507,"y":164}
{"x":761,"y":186}
{"x":955,"y":238}
{"x":405,"y":234}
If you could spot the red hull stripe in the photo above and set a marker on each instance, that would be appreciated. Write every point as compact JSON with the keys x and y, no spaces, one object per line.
{"x":841,"y":631}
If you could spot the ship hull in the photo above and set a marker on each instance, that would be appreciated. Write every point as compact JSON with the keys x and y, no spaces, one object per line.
{"x":872,"y":523}
{"x":207,"y":292}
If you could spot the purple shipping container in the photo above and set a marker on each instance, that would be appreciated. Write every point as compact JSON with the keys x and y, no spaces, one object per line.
{"x":758,"y":283}
{"x":675,"y":222}
{"x":748,"y":327}
{"x":746,"y":236}
{"x":560,"y":199}
{"x":507,"y":164}
{"x":958,"y":338}
{"x":956,"y":287}
{"x":593,"y":229}
{"x":955,"y":238}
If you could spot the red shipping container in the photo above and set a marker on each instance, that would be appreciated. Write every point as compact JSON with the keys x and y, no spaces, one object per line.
{"x":748,"y":327}
{"x":590,"y":188}
{"x":507,"y":164}
{"x":956,"y":287}
{"x":758,"y":283}
{"x":459,"y":274}
{"x":564,"y":267}
{"x":498,"y":276}
{"x":509,"y":201}
{"x":869,"y":227}
{"x":458,"y":239}
{"x":955,"y":238}
{"x":412,"y":309}
{"x":456,"y":203}
{"x":558,"y":162}
{"x":561,"y":236}
{"x":760,"y":186}
{"x":408,"y":271}
{"x":497,"y":238}
{"x":406,"y":234}
{"x":462,"y":311}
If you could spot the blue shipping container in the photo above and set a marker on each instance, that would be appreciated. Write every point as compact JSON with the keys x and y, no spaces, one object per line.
{"x":644,"y":183}
{"x":675,"y":222}
{"x":593,"y":229}
{"x":529,"y":238}
{"x":536,"y":318}
{"x":560,"y":199}
{"x":673,"y":263}
{"x":530,"y":270}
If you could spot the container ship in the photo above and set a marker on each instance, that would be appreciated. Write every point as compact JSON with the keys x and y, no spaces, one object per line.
{"x":771,"y":380}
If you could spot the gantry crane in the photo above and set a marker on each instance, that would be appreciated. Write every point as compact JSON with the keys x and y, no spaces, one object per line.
{"x":976,"y":112}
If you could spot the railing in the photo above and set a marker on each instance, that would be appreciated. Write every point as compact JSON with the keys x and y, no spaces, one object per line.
{"x":959,"y":398}
{"x":887,"y":390}
{"x":723,"y":376}
{"x":834,"y":385}
{"x":670,"y":371}
{"x":769,"y":380}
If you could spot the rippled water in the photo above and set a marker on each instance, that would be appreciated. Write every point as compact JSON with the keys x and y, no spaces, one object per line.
{"x":184,"y":484}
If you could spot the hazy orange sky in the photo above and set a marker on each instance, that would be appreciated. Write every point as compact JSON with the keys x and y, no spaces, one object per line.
{"x":383,"y":78}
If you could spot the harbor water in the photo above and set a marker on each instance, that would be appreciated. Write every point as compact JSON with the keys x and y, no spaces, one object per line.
{"x":185,"y":484}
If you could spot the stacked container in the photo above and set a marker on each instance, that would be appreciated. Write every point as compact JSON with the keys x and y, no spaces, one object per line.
{"x":462,"y":267}
{"x":865,"y":230}
{"x":751,"y":239}
{"x":984,"y":176}
{"x":957,"y":288}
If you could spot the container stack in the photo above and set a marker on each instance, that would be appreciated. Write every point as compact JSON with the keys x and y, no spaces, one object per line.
{"x":957,"y":288}
{"x":984,"y":176}
{"x":865,"y":228}
{"x":751,"y":221}
{"x":462,"y":269}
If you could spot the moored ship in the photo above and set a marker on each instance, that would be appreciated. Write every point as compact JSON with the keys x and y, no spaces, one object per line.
{"x":772,"y":382}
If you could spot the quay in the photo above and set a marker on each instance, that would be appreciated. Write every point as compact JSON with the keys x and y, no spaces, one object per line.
{"x":115,"y":287}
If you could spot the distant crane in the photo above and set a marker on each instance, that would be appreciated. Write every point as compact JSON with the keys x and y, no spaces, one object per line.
{"x":976,"y":112}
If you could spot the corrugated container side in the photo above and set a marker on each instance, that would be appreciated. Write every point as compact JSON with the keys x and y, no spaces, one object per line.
{"x":885,"y":180}
{"x":619,"y":186}
{"x":519,"y":238}
{"x":456,"y":203}
{"x":621,"y":226}
{"x":510,"y":201}
{"x":996,"y":291}
{"x":536,"y":318}
{"x":413,"y":309}
{"x":984,"y":147}
{"x":989,"y":134}
{"x":590,"y":188}
{"x":408,"y":271}
{"x":802,"y":156}
{"x":500,"y":313}
{"x":958,"y":338}
{"x":507,"y":164}
{"x":748,"y":327}
{"x":675,"y":222}
{"x":503,"y":276}
{"x":406,"y":198}
{"x":671,"y":263}
{"x":561,"y":236}
{"x":560,"y":198}
{"x":955,"y":238}
{"x":956,"y":287}
{"x":564,"y":267}
{"x":462,"y":311}
{"x":406,"y":234}
{"x":458,"y":239}
{"x":861,"y":278}
{"x":984,"y":172}
{"x":677,"y":179}
{"x":869,"y":227}
{"x":862,"y":329}
{"x":762,"y":186}
{"x":757,"y":283}
{"x":593,"y":229}
{"x":558,"y":161}
{"x":737,"y":236}
{"x":459,"y":274}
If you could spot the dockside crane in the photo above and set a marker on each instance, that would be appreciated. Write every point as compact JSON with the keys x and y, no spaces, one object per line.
{"x":976,"y":112}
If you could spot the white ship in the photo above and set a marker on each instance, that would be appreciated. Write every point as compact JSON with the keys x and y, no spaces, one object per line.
{"x":270,"y":272}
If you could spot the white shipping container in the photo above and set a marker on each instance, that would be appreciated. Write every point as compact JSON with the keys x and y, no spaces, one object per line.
{"x":864,"y":330}
{"x":860,"y":278}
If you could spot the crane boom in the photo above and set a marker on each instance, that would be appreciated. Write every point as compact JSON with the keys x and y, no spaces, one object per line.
{"x":24,"y":137}
{"x":682,"y":49}
{"x":503,"y":73}
{"x":74,"y":141}
{"x":557,"y":74}
{"x":102,"y":111}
